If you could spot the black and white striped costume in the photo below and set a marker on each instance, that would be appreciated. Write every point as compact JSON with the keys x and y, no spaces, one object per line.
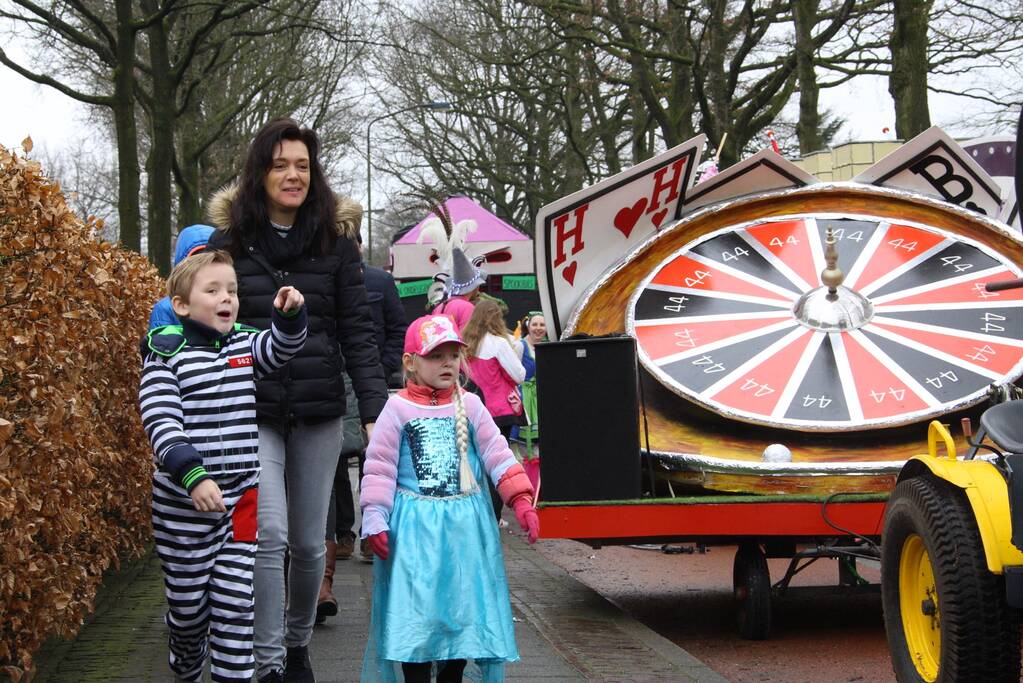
{"x":197,"y":398}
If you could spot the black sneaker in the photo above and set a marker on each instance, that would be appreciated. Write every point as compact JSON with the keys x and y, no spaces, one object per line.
{"x":297,"y":667}
{"x":276,"y":676}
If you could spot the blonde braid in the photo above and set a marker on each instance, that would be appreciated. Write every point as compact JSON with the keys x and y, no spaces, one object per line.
{"x":465,"y":476}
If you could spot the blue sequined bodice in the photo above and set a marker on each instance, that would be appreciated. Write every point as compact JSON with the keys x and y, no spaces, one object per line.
{"x":428,"y":461}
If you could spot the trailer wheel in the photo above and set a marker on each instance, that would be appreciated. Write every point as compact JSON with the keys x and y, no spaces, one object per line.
{"x":945,"y":614}
{"x":751,"y":585}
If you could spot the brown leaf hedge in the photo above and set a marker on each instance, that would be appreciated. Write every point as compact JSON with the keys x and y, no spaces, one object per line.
{"x":75,"y":465}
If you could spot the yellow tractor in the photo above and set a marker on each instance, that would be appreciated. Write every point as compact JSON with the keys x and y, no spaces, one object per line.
{"x":952,"y":545}
{"x":952,"y":552}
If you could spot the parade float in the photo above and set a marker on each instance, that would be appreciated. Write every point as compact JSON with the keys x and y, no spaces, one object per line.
{"x":790,"y":340}
{"x":415,"y":260}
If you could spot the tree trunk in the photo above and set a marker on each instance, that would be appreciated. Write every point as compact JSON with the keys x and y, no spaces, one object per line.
{"x":907,"y":83}
{"x":718,"y":97}
{"x":575,"y":161}
{"x":640,"y":123}
{"x":161,"y":152}
{"x":188,"y":181}
{"x":681,"y":105}
{"x":128,"y":171}
{"x":808,"y":129}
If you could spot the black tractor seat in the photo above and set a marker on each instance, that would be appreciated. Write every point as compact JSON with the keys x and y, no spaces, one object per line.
{"x":1003,"y":424}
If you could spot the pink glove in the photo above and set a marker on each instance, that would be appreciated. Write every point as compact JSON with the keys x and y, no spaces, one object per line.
{"x":525,"y":515}
{"x":378,"y":544}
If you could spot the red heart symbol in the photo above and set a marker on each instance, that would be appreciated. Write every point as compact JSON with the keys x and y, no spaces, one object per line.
{"x":625,"y":219}
{"x":658,"y":217}
{"x":569,"y":272}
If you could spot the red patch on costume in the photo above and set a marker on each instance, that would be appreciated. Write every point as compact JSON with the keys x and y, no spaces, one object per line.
{"x":243,"y":518}
{"x":240,"y":361}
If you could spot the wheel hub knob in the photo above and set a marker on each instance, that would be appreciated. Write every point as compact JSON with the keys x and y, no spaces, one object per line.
{"x":832,"y":307}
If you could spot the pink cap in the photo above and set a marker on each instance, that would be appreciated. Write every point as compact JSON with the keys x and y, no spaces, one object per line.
{"x":427,"y":333}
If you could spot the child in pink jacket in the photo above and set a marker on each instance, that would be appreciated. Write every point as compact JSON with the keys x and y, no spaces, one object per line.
{"x":440,"y":596}
{"x":494,"y":365}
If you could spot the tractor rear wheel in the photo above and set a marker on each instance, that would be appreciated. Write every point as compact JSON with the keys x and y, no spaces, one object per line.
{"x":945,"y":613}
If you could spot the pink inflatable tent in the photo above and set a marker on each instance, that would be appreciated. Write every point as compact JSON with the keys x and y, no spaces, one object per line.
{"x":508,"y":251}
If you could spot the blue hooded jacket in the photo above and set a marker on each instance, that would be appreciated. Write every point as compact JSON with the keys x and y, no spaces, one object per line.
{"x":188,"y":239}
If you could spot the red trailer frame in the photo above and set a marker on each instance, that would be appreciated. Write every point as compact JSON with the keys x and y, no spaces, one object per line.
{"x":728,"y":518}
{"x":803,"y":528}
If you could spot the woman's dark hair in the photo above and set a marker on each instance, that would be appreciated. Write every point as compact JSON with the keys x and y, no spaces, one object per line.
{"x":316,"y":217}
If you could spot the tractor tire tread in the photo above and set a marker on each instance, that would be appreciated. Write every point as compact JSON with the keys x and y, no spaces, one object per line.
{"x":980,"y":633}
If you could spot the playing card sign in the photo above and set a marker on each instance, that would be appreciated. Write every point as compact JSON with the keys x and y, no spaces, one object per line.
{"x":934,"y":164}
{"x":580,"y":236}
{"x":766,"y":170}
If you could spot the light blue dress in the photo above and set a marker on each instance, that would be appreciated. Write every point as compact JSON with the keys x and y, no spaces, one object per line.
{"x":442,"y":593}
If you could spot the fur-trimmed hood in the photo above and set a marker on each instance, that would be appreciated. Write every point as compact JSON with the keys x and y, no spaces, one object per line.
{"x":348,"y":216}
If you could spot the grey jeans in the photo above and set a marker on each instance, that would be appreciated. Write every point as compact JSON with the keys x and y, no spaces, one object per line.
{"x":295,"y":520}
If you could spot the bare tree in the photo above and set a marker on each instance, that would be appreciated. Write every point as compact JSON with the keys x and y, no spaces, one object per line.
{"x":104,"y":38}
{"x":971,"y":50}
{"x":88,"y":178}
{"x":174,"y":57}
{"x":975,"y":53}
{"x":254,"y":72}
{"x":534,"y":117}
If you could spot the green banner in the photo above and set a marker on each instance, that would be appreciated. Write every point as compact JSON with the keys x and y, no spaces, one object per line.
{"x":518,"y":282}
{"x":413,"y":288}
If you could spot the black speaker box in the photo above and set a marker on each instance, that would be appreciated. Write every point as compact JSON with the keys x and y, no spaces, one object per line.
{"x":588,"y":414}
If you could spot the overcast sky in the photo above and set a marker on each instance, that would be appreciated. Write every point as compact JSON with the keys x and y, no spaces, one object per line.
{"x":54,"y":120}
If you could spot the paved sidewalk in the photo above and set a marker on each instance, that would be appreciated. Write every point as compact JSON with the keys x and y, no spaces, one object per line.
{"x":565,"y":631}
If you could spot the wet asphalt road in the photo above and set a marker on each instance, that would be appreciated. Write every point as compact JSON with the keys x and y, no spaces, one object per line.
{"x":687,"y":598}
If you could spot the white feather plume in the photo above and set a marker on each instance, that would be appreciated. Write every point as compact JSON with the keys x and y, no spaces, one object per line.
{"x":460,"y":233}
{"x":433,"y":232}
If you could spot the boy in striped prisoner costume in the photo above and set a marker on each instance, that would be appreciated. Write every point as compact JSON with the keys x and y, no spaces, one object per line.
{"x":198,"y":403}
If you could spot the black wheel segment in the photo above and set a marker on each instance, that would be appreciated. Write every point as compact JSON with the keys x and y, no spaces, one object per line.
{"x":930,"y":531}
{"x":751,"y":584}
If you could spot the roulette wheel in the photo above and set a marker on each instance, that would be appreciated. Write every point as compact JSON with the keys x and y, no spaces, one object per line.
{"x":836,"y":319}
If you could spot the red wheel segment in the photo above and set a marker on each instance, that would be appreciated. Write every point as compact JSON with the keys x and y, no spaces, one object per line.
{"x":790,"y":242}
{"x":897,"y":246}
{"x":686,"y":273}
{"x":663,"y":341}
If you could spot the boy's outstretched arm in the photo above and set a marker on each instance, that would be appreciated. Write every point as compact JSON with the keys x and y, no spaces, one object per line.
{"x":288,"y":300}
{"x":287,"y":334}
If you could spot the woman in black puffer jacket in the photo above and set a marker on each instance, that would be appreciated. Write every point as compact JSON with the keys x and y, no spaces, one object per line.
{"x":283,"y":225}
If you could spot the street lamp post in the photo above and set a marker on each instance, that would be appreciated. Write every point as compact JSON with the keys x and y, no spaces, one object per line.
{"x":435,"y":106}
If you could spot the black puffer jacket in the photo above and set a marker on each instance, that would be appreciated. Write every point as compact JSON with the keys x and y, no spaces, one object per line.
{"x":388,"y":316}
{"x":341,"y":331}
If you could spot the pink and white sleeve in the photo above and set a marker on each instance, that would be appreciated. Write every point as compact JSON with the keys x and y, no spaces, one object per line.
{"x":510,"y":362}
{"x":380,"y":472}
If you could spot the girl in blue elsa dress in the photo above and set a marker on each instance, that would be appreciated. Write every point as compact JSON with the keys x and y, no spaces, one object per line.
{"x":440,"y":596}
